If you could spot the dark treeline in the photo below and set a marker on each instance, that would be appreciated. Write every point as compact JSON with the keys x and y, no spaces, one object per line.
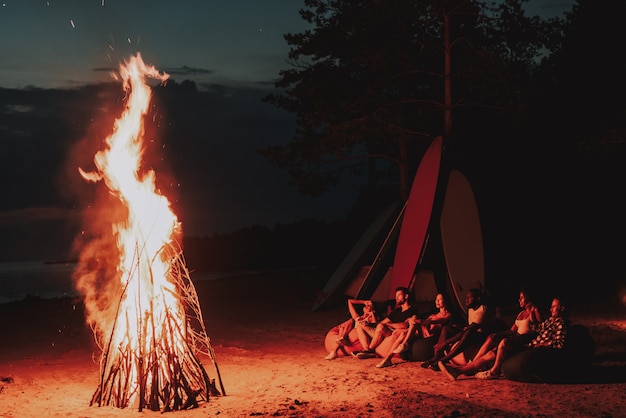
{"x":306,"y":243}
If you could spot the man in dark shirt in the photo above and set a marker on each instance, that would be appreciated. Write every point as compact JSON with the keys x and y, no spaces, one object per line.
{"x":371,"y":338}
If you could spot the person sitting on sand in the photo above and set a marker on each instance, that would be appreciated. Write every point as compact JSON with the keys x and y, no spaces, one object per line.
{"x":418,"y":328}
{"x":367,"y":319}
{"x":396,"y":319}
{"x":454,"y":341}
{"x":550,"y":333}
{"x":523,"y":329}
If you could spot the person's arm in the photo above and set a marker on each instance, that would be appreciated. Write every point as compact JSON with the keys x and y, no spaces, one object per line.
{"x":351,"y":302}
{"x":535,"y":318}
{"x":412,"y":321}
{"x":398,"y":325}
{"x":448,"y":342}
{"x":434,"y":319}
{"x":451,"y":340}
{"x":385,"y":321}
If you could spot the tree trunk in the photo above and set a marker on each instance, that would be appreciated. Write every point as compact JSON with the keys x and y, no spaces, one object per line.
{"x":447,"y":76}
{"x":403,"y":169}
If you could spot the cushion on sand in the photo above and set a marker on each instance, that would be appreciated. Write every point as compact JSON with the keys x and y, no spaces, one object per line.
{"x":333,"y":334}
{"x":548,"y":365}
{"x":421,"y":349}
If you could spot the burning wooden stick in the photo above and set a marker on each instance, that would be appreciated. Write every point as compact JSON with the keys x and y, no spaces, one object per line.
{"x":159,"y":367}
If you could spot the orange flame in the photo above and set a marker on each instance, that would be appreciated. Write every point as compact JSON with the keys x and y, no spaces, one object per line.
{"x":150,"y":225}
{"x":148,"y":327}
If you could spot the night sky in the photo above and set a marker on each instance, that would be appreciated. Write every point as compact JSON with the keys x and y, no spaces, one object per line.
{"x":231,"y":49}
{"x":48,"y":43}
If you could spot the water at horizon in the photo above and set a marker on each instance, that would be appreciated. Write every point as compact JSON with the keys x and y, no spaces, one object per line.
{"x":35,"y":278}
{"x":48,"y":280}
{"x":53,"y":279}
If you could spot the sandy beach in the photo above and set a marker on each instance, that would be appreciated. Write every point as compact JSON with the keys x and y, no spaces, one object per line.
{"x":270,"y":353}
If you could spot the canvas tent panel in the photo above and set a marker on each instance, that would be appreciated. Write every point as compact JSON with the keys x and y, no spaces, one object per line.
{"x":382,"y":291}
{"x":424,"y":286}
{"x":355,"y":258}
{"x":382,"y":261}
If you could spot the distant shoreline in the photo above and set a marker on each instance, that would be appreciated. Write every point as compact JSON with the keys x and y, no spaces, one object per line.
{"x":61,"y":261}
{"x":52,"y":279}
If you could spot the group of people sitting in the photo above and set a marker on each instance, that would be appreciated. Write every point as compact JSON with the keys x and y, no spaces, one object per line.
{"x":475,"y":348}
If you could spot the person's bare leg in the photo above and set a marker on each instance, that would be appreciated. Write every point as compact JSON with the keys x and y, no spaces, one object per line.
{"x":377,"y":338}
{"x":407,"y":335}
{"x":479,"y":364}
{"x":363,"y":336}
{"x":344,"y":329}
{"x":501,"y":355}
{"x":459,"y":347}
{"x":468,"y":369}
{"x":438,"y":349}
{"x":488,"y":345}
{"x":504,"y":351}
{"x":398,"y":337}
{"x":333,"y":353}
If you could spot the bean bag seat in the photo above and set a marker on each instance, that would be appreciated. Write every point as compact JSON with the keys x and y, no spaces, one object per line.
{"x":331,"y":338}
{"x":548,"y":365}
{"x":421,"y":349}
{"x":383,"y":348}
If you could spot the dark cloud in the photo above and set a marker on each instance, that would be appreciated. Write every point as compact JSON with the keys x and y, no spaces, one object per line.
{"x":202,"y":143}
{"x":105,"y":69}
{"x":184,"y":71}
{"x":187,"y":71}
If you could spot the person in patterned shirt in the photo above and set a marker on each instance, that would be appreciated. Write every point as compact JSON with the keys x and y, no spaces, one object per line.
{"x":550,"y":333}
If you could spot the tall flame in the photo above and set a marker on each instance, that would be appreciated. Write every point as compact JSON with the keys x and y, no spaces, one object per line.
{"x":146,"y":345}
{"x":150,"y":224}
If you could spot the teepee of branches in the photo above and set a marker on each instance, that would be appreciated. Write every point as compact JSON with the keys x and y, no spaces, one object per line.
{"x":158,"y":367}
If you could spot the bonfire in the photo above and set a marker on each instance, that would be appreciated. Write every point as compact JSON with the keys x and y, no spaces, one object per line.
{"x":139,"y":297}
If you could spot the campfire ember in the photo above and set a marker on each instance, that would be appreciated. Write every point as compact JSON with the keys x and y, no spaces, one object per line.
{"x":139,"y":297}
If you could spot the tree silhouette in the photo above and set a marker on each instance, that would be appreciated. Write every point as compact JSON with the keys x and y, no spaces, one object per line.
{"x":373,"y":83}
{"x":582,"y":82}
